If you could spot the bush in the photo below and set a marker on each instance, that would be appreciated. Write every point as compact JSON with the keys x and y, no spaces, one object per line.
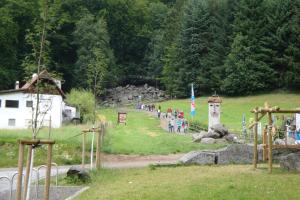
{"x":84,"y":101}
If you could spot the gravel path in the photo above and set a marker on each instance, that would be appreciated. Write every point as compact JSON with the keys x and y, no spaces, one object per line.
{"x":56,"y":193}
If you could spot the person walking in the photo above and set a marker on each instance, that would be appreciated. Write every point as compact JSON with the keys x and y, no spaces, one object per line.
{"x":179,"y":124}
{"x":172,"y":125}
{"x":158,"y":113}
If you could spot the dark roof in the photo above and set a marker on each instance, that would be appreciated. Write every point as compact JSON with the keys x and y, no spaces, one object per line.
{"x":44,"y":75}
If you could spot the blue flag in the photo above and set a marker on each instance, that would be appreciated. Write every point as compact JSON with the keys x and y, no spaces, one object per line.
{"x":193,"y":107}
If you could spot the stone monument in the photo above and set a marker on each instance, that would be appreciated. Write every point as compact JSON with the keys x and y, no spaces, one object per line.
{"x":214,"y":110}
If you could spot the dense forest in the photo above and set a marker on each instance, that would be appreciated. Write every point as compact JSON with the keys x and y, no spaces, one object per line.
{"x":233,"y":47}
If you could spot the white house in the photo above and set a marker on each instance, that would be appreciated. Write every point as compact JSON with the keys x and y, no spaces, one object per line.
{"x":18,"y":106}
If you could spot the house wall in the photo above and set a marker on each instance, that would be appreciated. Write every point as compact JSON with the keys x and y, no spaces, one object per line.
{"x":50,"y":108}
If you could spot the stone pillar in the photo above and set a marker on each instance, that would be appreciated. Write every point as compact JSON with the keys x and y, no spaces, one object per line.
{"x":214,"y":110}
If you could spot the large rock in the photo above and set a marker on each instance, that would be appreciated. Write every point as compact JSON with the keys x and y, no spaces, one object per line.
{"x":237,"y":153}
{"x":201,"y":158}
{"x":230,"y":137}
{"x":79,"y":173}
{"x":220,"y":128}
{"x":212,"y":134}
{"x":290,"y":162}
{"x":208,"y":140}
{"x":198,"y":136}
{"x":221,"y":141}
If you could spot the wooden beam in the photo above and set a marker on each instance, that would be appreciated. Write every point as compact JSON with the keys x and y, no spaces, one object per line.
{"x":255,"y":142}
{"x":36,"y":142}
{"x":265,"y":139}
{"x":271,"y":110}
{"x":48,"y":172}
{"x":270,"y":141}
{"x":20,"y":171}
{"x":83,"y":150}
{"x":259,"y":118}
{"x":282,"y":146}
{"x":27,"y":171}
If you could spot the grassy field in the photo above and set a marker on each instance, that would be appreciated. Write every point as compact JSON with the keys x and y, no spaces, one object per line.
{"x":194,"y":182}
{"x":232,"y":108}
{"x":143,"y":135}
{"x":66,"y":150}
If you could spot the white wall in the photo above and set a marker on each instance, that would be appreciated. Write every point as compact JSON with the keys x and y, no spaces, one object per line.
{"x":50,"y":107}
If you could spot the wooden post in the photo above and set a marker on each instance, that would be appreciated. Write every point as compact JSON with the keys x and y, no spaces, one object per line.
{"x":48,"y":172}
{"x":265,"y":139}
{"x":20,"y":171}
{"x":98,"y":148}
{"x":270,"y":141}
{"x":27,"y":171}
{"x":83,"y":150}
{"x":255,"y":142}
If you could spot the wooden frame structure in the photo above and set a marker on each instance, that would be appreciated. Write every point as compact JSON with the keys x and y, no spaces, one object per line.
{"x":31,"y":144}
{"x":100,"y":132}
{"x":268,"y":146}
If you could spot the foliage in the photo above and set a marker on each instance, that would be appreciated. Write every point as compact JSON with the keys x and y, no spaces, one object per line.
{"x":234,"y":47}
{"x":84,"y":101}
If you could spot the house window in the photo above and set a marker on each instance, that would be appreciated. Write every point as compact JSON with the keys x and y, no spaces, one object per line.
{"x":29,"y":104}
{"x":11,"y":122}
{"x":12,"y":104}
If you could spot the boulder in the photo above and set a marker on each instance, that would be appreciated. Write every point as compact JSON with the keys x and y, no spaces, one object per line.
{"x":220,"y":128}
{"x":221,"y":141}
{"x":79,"y":173}
{"x":208,"y":140}
{"x":237,"y":154}
{"x":198,"y":136}
{"x":290,"y":162}
{"x":230,"y":137}
{"x":200,"y":157}
{"x":212,"y":134}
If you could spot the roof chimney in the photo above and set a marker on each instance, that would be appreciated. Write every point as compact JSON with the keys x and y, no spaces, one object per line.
{"x":17,"y":85}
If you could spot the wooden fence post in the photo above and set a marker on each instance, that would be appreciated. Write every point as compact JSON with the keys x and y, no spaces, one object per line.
{"x":255,"y":141}
{"x":27,"y":171}
{"x":20,"y":171}
{"x":48,"y":172}
{"x":270,"y":141}
{"x":83,"y":150}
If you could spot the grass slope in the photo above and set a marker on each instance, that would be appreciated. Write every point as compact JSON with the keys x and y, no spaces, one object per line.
{"x":66,"y":150}
{"x":232,"y":108}
{"x":143,"y":135}
{"x":194,"y":182}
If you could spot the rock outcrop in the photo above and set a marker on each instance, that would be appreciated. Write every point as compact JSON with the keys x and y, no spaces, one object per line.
{"x":233,"y":154}
{"x":131,"y":94}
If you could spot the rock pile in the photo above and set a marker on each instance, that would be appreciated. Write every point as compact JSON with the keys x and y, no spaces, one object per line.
{"x":219,"y":134}
{"x":132,"y":94}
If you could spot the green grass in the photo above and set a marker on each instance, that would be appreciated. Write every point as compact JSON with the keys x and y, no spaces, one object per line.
{"x":194,"y":182}
{"x":143,"y":135}
{"x":232,"y":108}
{"x":66,"y":150}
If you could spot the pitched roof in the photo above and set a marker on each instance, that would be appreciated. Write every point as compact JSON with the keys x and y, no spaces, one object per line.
{"x":44,"y":75}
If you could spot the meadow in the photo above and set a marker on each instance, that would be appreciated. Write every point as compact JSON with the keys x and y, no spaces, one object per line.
{"x":233,"y":108}
{"x":142,"y":134}
{"x":193,"y":182}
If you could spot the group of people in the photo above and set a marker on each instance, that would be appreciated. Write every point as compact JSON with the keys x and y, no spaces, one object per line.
{"x":146,"y":107}
{"x":176,"y":121}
